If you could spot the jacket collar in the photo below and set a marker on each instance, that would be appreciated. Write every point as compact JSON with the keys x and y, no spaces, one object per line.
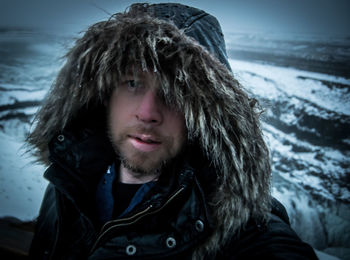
{"x":84,"y":155}
{"x":80,"y":158}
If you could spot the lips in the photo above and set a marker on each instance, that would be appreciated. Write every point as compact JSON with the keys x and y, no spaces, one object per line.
{"x":146,"y":138}
{"x":144,"y":142}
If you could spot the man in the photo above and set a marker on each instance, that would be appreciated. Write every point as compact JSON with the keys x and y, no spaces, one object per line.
{"x":155,"y":150}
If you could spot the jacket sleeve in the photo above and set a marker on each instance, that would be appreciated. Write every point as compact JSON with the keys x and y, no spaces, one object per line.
{"x":46,"y":226}
{"x":277,"y":240}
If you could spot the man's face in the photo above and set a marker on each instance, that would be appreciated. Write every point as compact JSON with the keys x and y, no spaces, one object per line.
{"x":144,"y":131}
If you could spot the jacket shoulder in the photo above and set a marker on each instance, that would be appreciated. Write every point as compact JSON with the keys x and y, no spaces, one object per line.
{"x":275,"y":240}
{"x":46,"y":225}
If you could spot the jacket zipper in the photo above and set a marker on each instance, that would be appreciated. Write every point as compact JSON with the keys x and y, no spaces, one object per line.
{"x":136,"y":218}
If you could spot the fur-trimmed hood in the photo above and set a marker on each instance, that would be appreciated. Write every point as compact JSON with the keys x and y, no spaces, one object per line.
{"x":174,"y":41}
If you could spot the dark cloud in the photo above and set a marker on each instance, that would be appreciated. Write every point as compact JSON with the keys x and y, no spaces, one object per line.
{"x":310,"y":16}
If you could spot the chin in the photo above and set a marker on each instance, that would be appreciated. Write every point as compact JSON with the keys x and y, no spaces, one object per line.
{"x":144,"y":167}
{"x":142,"y":162}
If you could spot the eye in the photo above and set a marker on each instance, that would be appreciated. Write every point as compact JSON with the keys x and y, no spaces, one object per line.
{"x":132,"y":84}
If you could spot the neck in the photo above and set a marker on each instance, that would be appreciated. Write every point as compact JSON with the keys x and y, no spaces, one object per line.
{"x":130,"y":177}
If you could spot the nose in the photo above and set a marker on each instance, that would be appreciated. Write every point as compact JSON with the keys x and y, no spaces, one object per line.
{"x":150,"y":110}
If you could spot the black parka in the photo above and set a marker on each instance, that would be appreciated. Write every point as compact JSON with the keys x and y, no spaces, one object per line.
{"x":169,"y":223}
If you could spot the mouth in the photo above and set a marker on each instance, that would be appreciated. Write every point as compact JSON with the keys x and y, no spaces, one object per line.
{"x":146,"y":139}
{"x":145,"y":143}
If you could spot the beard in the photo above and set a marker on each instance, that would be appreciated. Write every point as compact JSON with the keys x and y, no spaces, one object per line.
{"x":144,"y":163}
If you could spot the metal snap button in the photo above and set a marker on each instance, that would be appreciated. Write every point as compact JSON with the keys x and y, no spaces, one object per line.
{"x":199,"y":225}
{"x":170,"y":242}
{"x":60,"y":138}
{"x":130,"y":250}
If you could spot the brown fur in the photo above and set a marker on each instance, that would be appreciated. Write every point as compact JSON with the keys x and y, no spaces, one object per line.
{"x":218,"y":112}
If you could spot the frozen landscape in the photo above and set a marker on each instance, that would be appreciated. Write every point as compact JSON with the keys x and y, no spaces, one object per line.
{"x":301,"y":81}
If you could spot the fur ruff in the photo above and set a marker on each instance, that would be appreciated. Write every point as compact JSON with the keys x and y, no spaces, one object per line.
{"x":219,"y":114}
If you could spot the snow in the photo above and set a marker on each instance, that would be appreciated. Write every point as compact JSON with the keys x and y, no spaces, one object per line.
{"x":288,"y":81}
{"x":329,"y":166}
{"x":17,"y":96}
{"x":309,"y":174}
{"x":21,"y":183}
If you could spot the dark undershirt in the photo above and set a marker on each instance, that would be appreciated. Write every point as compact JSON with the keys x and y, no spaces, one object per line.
{"x":123,"y":194}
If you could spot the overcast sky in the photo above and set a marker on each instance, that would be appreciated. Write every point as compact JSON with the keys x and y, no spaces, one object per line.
{"x":301,"y":16}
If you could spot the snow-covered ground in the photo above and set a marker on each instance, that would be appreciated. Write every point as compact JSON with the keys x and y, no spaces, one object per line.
{"x":29,"y":61}
{"x":21,"y":182}
{"x":306,"y":124}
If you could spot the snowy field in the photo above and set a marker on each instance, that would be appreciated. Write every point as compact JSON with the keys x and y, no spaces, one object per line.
{"x":29,"y":61}
{"x":310,"y":173}
{"x":306,"y":124}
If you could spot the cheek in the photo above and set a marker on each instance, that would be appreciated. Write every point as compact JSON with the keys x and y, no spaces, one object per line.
{"x":114,"y":119}
{"x":118,"y":112}
{"x":176,"y":125}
